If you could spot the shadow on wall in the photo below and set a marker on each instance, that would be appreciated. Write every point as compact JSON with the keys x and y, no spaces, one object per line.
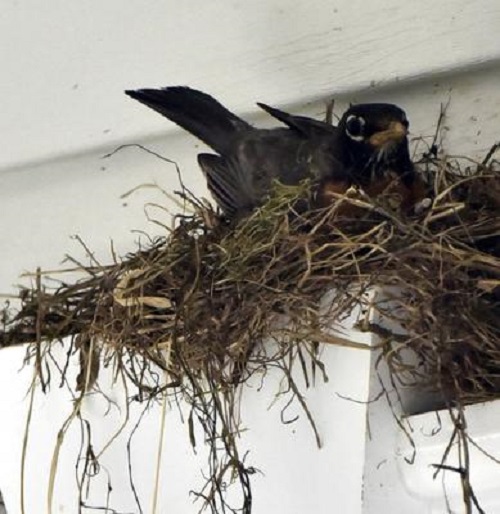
{"x":3,"y":510}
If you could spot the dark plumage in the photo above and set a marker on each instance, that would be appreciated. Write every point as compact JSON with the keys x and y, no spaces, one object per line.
{"x":369,"y":139}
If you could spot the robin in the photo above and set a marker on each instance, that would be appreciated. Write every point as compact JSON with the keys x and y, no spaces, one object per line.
{"x":368,"y":149}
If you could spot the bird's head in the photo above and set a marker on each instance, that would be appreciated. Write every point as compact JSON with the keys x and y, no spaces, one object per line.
{"x":375,"y":137}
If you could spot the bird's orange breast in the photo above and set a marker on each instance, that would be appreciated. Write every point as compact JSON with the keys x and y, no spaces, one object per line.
{"x":399,"y":195}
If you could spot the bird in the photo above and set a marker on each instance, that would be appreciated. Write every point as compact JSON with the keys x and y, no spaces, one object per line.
{"x":367,"y":149}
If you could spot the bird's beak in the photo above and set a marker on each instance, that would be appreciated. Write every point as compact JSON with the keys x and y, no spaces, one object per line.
{"x":394,"y":134}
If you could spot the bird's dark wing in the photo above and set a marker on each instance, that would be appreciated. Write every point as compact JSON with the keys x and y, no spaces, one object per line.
{"x":307,"y":127}
{"x":230,"y":187}
{"x":196,"y":112}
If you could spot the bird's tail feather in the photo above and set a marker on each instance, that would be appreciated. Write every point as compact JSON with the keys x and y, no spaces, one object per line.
{"x":194,"y":111}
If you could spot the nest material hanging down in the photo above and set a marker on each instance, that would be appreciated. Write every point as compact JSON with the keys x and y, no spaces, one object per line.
{"x":198,"y":303}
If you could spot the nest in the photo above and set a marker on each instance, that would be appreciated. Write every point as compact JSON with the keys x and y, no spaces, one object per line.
{"x":189,"y":313}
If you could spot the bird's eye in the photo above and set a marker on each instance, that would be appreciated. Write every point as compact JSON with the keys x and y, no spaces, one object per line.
{"x":355,"y":127}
